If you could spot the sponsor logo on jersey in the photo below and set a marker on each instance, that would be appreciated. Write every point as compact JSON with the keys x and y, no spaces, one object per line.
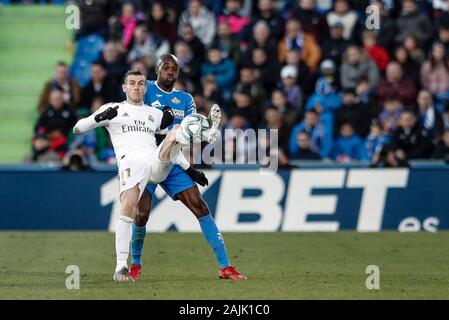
{"x":125,"y":115}
{"x":150,"y":117}
{"x":159,"y":95}
{"x":175,"y":100}
{"x":178,"y":113}
{"x":139,"y":126}
{"x":156,"y":104}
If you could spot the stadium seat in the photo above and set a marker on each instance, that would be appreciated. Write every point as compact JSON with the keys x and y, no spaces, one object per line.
{"x":80,"y":70}
{"x":89,"y":48}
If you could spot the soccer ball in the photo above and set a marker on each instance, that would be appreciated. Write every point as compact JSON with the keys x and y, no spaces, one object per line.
{"x":194,"y":126}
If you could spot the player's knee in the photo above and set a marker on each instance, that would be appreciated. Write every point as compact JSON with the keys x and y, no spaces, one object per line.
{"x":129,"y":207}
{"x":141,"y":218}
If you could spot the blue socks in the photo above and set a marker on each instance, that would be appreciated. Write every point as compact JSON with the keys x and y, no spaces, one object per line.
{"x":210,"y":232}
{"x":214,"y":238}
{"x":138,"y":234}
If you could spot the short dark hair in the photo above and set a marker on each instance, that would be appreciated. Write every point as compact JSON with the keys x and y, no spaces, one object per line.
{"x":132,"y":73}
{"x":99,"y":63}
{"x":164,"y":58}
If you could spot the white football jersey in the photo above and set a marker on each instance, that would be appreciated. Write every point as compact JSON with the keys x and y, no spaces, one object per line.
{"x":133,"y":130}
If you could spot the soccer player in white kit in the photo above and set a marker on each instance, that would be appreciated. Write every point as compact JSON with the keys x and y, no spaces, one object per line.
{"x":132,"y":127}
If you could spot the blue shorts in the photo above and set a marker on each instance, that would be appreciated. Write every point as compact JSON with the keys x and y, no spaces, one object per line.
{"x":177,"y":181}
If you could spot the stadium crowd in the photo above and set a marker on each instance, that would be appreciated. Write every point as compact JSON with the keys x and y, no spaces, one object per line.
{"x":335,"y":89}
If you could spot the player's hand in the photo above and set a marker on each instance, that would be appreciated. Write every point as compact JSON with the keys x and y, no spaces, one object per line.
{"x":109,"y":114}
{"x":167,"y":118}
{"x":197,"y":176}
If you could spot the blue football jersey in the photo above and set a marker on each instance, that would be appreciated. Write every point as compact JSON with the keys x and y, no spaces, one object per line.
{"x":181,"y":102}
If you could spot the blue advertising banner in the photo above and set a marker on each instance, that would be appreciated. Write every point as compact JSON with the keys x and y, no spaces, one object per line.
{"x":246,"y":200}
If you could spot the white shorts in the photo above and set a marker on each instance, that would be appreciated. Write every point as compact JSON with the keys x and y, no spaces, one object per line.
{"x":142,"y":169}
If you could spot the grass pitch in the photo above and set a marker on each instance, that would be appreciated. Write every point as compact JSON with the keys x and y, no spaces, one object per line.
{"x":182,"y":266}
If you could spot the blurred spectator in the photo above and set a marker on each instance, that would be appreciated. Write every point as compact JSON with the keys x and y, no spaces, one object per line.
{"x":342,"y":13}
{"x":375,"y":140}
{"x":201,"y":20}
{"x":235,"y":148}
{"x":348,"y":146}
{"x":195,"y":44}
{"x":292,"y":90}
{"x":388,"y":27}
{"x":296,"y":39}
{"x":52,"y":127}
{"x":442,"y":149}
{"x":275,"y":121}
{"x":397,"y":84}
{"x":387,"y":158}
{"x":62,"y":81}
{"x":98,"y":86}
{"x":267,"y":13}
{"x":413,"y":22}
{"x":231,"y":15}
{"x":429,"y":117}
{"x":94,"y":15}
{"x":305,"y":79}
{"x":443,"y":36}
{"x":313,"y":21}
{"x":211,"y":91}
{"x":390,"y":114}
{"x":261,"y":38}
{"x":378,"y":54}
{"x":227,"y":42}
{"x":114,"y":63}
{"x":141,"y":66}
{"x":441,"y":12}
{"x":356,"y":65}
{"x":325,"y":101}
{"x":435,"y":75}
{"x":414,"y":49}
{"x":409,"y":66}
{"x":248,"y":83}
{"x":189,"y":68}
{"x":280,"y":102}
{"x":411,"y":140}
{"x":320,"y":136}
{"x":334,"y":46}
{"x":267,"y":71}
{"x":352,"y":112}
{"x":446,"y":117}
{"x":128,"y":22}
{"x":242,"y":102}
{"x":160,"y":24}
{"x":367,"y":98}
{"x":304,"y":151}
{"x":223,"y":70}
{"x":147,"y":46}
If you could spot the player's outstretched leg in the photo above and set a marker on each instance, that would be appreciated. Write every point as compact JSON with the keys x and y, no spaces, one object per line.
{"x":192,"y":199}
{"x":129,"y":199}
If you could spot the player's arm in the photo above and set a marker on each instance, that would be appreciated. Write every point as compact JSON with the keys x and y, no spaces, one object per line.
{"x":98,"y":119}
{"x":196,"y":175}
{"x":167,"y":118}
{"x":190,"y":106}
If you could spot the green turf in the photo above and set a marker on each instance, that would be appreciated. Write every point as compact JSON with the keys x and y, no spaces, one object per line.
{"x":181,"y":266}
{"x":32,"y":40}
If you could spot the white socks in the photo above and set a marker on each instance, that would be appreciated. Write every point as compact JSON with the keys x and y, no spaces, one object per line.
{"x":123,"y":233}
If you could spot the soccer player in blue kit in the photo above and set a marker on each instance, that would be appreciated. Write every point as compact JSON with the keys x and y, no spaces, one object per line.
{"x":180,"y":183}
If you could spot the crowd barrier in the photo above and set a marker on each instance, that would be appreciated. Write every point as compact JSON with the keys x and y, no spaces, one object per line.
{"x":242,"y":199}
